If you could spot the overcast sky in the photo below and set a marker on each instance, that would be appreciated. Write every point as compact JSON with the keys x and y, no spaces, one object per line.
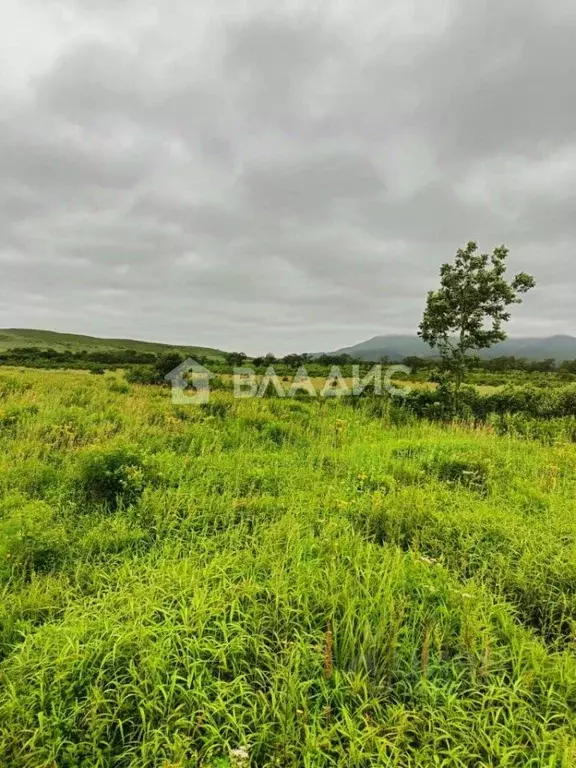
{"x":280,"y":176}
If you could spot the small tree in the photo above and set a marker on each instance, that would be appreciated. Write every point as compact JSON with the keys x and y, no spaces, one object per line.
{"x":235,"y":358}
{"x":166,"y":362}
{"x":468,"y":311}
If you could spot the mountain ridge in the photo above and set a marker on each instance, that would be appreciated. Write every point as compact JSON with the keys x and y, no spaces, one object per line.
{"x":398,"y":346}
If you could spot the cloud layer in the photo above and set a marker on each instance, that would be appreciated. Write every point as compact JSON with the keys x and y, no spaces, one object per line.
{"x":275,"y":176}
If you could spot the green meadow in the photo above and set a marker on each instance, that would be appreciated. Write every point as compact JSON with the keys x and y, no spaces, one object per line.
{"x":278,"y":582}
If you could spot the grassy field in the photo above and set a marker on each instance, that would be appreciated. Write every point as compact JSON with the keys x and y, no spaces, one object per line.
{"x":485,"y":389}
{"x":71,"y":342}
{"x":275,"y":582}
{"x":319,"y":383}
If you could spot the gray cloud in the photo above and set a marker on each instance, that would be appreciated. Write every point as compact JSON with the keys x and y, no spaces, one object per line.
{"x":311,"y":189}
{"x":264,"y":177}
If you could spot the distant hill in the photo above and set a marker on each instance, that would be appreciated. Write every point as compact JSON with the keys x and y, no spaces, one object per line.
{"x":71,"y":342}
{"x":397,"y":347}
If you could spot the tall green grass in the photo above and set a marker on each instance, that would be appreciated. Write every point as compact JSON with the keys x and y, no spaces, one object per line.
{"x":277,"y":583}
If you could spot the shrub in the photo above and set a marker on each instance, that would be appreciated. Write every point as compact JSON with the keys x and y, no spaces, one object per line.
{"x":437,"y":403}
{"x":166,"y":362}
{"x":143,"y":374}
{"x":119,"y":387}
{"x":547,"y":431}
{"x":112,"y":476}
{"x":31,"y":540}
{"x":220,"y":384}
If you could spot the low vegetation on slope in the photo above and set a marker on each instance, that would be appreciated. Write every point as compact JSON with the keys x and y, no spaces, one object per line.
{"x":278,"y":582}
{"x":22,"y":338}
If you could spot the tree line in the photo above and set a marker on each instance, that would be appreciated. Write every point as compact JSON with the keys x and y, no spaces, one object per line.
{"x":127,"y":358}
{"x":52,"y":358}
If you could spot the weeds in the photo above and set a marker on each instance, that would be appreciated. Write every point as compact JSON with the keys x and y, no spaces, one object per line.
{"x":111,"y":476}
{"x":273,"y":582}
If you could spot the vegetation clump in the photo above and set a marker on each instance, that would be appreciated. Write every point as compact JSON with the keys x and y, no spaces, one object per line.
{"x":111,"y":476}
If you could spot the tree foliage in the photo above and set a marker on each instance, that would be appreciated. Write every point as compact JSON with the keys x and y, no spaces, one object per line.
{"x":467,"y":313}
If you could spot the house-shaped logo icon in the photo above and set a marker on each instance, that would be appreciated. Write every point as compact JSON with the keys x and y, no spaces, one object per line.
{"x":190,"y":375}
